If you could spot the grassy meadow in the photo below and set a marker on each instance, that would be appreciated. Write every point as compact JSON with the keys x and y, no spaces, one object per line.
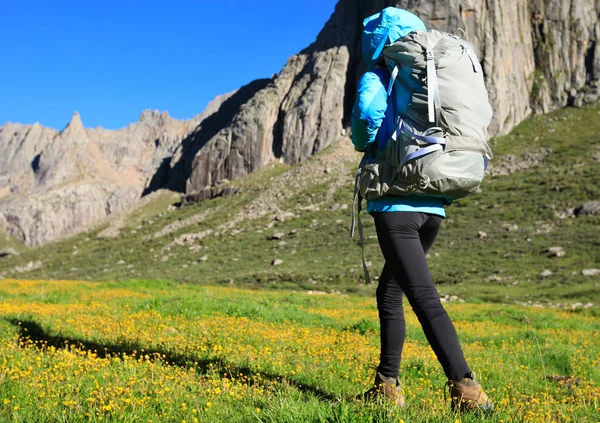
{"x":138,"y":351}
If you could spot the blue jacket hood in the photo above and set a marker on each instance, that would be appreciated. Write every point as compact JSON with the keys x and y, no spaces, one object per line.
{"x":386,"y":27}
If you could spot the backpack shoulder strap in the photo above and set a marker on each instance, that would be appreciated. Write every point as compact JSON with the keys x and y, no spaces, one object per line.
{"x":394,"y":66}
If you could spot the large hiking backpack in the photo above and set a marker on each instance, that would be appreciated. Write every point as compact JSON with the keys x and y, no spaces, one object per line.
{"x":439,"y":147}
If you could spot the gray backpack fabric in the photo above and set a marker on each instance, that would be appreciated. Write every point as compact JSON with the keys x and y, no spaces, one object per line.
{"x":439,"y":147}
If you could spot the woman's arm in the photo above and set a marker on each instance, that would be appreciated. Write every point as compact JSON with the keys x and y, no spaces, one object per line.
{"x":369,"y":108}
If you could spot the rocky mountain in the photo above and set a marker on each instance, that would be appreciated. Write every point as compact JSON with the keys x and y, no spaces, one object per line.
{"x":54,"y":184}
{"x":537,"y":55}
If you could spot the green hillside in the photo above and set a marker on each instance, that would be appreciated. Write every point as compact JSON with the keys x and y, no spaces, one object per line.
{"x":492,"y":247}
{"x":7,"y":242}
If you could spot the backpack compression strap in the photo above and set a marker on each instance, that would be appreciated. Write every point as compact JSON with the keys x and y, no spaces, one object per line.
{"x":472,"y":56}
{"x":356,"y":209}
{"x":433,"y":143}
{"x":434,"y":104}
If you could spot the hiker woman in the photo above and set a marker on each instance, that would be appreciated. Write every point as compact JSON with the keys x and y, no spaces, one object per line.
{"x":407,"y":226}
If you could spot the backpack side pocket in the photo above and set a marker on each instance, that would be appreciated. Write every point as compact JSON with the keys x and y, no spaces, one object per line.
{"x":455,"y":174}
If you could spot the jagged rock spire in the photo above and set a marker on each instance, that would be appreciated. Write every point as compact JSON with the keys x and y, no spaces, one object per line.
{"x":74,"y":131}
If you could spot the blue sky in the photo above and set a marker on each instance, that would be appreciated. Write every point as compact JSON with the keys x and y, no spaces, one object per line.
{"x":110,"y":60}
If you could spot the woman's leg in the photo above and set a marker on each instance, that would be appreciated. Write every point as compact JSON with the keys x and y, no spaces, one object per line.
{"x":391,"y":322}
{"x":404,"y":237}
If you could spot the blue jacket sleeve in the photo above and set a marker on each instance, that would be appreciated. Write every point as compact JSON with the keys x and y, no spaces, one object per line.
{"x":369,"y":110}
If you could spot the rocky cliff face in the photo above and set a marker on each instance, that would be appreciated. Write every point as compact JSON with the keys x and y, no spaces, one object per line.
{"x":19,"y":149}
{"x":288,"y":118}
{"x":537,"y":55}
{"x":566,"y":47}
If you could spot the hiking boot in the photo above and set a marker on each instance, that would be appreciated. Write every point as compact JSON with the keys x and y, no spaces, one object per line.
{"x":467,"y":395}
{"x":386,"y":388}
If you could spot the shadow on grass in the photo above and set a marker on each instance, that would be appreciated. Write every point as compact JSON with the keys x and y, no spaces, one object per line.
{"x":32,"y":331}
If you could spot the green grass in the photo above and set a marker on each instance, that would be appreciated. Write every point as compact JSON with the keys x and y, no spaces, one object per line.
{"x":153,"y":208}
{"x":317,"y":253}
{"x":6,"y":242}
{"x":159,"y":351}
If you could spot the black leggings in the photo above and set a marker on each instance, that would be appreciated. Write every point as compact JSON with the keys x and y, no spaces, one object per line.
{"x":405,"y":238}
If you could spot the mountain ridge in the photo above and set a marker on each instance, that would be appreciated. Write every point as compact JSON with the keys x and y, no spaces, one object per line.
{"x":58,"y":183}
{"x":537,"y":56}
